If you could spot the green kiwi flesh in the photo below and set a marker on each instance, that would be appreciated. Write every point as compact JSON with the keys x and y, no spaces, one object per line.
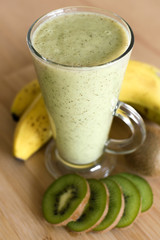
{"x":132,"y":201}
{"x":116,"y":206}
{"x":95,"y":210}
{"x":65,"y":199}
{"x":144,"y":189}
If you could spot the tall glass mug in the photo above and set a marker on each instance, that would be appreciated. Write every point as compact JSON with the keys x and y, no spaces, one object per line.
{"x":82,"y":98}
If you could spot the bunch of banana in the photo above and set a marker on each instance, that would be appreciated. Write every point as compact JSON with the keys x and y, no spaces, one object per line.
{"x":140,"y":88}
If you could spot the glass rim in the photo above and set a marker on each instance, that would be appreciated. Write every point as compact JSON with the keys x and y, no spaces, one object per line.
{"x":62,"y":11}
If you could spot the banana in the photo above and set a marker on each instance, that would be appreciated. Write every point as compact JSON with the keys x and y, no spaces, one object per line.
{"x":141,"y":89}
{"x":24,"y":98}
{"x":32,"y":131}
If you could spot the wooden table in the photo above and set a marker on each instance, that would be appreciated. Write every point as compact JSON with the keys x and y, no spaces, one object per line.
{"x":23,"y":184}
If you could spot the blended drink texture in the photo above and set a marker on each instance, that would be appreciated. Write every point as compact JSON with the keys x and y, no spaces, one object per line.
{"x":81,"y":97}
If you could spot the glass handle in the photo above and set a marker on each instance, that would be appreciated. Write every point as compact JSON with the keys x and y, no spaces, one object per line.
{"x":136,"y":124}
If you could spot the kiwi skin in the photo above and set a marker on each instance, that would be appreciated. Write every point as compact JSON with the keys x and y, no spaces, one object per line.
{"x":146,"y":159}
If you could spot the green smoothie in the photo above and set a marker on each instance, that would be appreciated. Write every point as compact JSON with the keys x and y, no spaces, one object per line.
{"x":80,"y":90}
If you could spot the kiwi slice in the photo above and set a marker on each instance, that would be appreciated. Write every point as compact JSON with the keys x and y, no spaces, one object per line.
{"x":144,"y":189}
{"x":116,"y":206}
{"x":65,"y":199}
{"x":132,"y":201}
{"x":95,"y":210}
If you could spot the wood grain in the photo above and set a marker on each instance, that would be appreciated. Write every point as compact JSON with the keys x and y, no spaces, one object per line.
{"x":22,"y":184}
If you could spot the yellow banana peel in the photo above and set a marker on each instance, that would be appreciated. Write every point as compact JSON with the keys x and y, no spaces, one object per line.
{"x":141,"y":89}
{"x":32,"y":131}
{"x":24,"y":98}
